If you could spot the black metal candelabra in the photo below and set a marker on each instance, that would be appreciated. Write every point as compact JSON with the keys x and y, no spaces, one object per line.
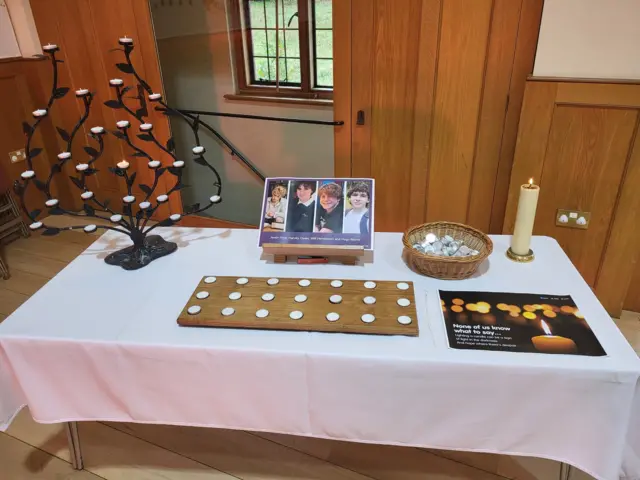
{"x":132,"y":219}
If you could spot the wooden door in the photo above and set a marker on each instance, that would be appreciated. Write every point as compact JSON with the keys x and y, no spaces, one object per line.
{"x":580,"y":142}
{"x":438,"y":85}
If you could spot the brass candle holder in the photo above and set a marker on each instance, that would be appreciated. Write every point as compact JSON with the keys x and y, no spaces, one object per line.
{"x":511,"y":255}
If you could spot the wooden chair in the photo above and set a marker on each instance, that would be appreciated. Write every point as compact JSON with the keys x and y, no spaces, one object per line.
{"x":11,"y":222}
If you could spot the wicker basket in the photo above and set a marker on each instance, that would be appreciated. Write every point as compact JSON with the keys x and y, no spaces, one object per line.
{"x":446,"y":268}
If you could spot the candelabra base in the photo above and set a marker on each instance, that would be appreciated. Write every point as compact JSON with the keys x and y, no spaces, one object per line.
{"x":520,"y":258}
{"x":135,"y":257}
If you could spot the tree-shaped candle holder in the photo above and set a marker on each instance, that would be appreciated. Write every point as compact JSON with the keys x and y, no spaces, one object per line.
{"x":134,"y":214}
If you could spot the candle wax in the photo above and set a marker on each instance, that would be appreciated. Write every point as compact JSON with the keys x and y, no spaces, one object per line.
{"x":554,"y":344}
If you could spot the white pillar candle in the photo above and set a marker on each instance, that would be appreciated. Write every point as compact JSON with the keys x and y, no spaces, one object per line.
{"x":50,"y":47}
{"x":123,"y":164}
{"x":40,"y":113}
{"x":125,"y":41}
{"x":64,"y":155}
{"x":81,"y":167}
{"x":123,"y":124}
{"x":154,"y":164}
{"x":97,"y":130}
{"x":146,"y":127}
{"x":86,"y":195}
{"x":116,"y":82}
{"x":178,"y":164}
{"x":198,"y":150}
{"x":525,"y":217}
{"x":83,"y":92}
{"x":154,"y":97}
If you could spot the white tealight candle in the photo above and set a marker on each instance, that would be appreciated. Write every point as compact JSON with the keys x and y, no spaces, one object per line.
{"x":50,"y":47}
{"x":144,"y":205}
{"x":52,"y":202}
{"x":146,"y":127}
{"x":64,"y":155}
{"x":154,"y":164}
{"x":90,"y":228}
{"x":125,"y":41}
{"x":304,"y":282}
{"x":35,"y":225}
{"x":198,"y":150}
{"x":28,"y":174}
{"x":116,"y":82}
{"x":86,"y":195}
{"x":296,"y":315}
{"x":123,"y":124}
{"x":154,"y":97}
{"x":333,"y":316}
{"x":175,"y":217}
{"x":123,"y":164}
{"x":83,"y":92}
{"x":215,"y":199}
{"x":116,"y":218}
{"x":525,"y":218}
{"x":129,"y":199}
{"x":81,"y":167}
{"x":178,"y":164}
{"x":40,"y":112}
{"x":97,"y":130}
{"x":162,"y":198}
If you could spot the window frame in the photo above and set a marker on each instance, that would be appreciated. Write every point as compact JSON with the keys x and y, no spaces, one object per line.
{"x":243,"y":57}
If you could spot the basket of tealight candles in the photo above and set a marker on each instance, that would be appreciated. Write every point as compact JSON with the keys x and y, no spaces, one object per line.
{"x":446,"y":250}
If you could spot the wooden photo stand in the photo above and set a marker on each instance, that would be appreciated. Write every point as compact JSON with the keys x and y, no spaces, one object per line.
{"x":347,"y":255}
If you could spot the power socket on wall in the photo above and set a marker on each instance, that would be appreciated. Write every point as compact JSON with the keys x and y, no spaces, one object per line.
{"x":573,"y":219}
{"x":18,"y":156}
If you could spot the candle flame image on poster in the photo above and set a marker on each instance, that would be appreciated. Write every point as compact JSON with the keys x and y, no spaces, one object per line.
{"x":517,"y":322}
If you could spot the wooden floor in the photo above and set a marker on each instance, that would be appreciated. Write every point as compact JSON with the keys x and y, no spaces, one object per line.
{"x":151,"y":452}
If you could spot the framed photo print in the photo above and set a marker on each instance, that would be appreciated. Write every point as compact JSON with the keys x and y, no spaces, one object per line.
{"x":318,"y":211}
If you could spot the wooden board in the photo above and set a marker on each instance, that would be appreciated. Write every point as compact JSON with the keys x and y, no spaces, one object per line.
{"x":315,"y":308}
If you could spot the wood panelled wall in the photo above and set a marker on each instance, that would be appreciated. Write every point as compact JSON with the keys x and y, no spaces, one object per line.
{"x":87,"y":32}
{"x":579,"y":140}
{"x":21,"y":92}
{"x":440,"y":84}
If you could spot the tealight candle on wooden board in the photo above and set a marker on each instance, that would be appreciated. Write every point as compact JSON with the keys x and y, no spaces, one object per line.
{"x":525,"y":218}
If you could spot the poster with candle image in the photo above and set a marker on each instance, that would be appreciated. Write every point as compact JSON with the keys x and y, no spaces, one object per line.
{"x":517,"y":322}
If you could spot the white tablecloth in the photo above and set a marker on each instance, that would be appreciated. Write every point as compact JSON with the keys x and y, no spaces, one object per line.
{"x":100,"y":343}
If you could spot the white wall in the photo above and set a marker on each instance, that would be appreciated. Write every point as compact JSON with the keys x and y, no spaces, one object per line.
{"x":589,"y":39}
{"x":24,"y":27}
{"x":8,"y":43}
{"x":195,"y":60}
